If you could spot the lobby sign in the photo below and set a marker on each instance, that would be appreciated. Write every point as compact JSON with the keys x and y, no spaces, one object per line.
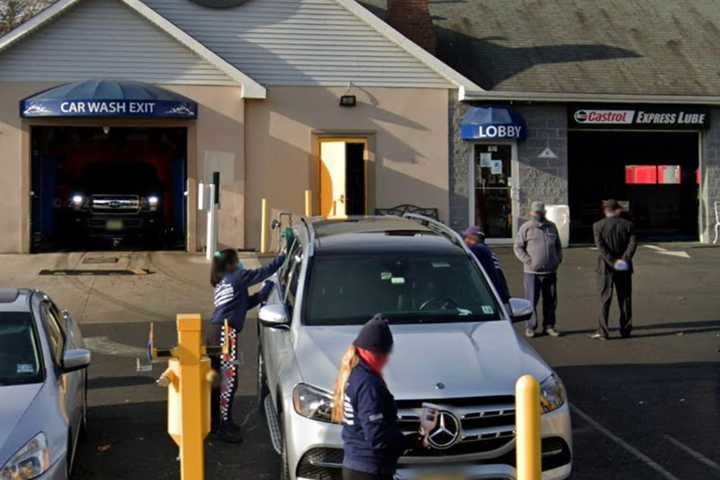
{"x":108,"y":108}
{"x":652,"y":117}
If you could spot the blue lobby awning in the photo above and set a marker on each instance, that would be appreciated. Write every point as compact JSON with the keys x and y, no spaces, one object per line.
{"x":108,"y":99}
{"x":491,"y":123}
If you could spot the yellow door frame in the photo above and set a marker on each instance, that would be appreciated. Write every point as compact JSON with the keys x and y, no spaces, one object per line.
{"x":365,"y":139}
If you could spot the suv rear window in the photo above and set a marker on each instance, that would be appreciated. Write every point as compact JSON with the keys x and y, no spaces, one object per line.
{"x":349,"y":289}
{"x":19,"y":350}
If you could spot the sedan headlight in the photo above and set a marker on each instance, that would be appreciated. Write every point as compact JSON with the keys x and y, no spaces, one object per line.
{"x":313,"y":403}
{"x":32,"y":460}
{"x":552,"y":394}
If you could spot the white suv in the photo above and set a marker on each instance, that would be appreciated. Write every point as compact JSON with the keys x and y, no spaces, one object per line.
{"x":454,"y":347}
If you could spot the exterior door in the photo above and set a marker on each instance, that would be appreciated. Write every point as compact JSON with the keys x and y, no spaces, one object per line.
{"x":333,"y":175}
{"x":493,"y":190}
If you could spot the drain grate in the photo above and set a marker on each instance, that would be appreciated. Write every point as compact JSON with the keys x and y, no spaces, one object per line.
{"x":99,"y":260}
{"x":76,"y":272}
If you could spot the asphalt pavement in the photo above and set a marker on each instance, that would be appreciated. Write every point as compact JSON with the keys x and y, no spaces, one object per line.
{"x":643,"y":408}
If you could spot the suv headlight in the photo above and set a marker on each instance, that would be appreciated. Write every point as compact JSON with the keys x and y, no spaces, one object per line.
{"x":32,"y":460}
{"x":313,"y":403}
{"x":552,"y":394}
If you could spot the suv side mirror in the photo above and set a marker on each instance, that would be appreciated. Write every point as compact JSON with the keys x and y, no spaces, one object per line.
{"x":274,"y":316}
{"x":76,"y":359}
{"x":520,"y":309}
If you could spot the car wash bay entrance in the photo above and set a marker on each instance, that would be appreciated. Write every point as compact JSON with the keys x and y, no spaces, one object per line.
{"x":654,"y":174}
{"x":99,"y":182}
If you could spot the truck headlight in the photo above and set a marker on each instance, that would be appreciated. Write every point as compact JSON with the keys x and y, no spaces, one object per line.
{"x":313,"y":403}
{"x":32,"y":460}
{"x":77,"y":200}
{"x":552,"y":394}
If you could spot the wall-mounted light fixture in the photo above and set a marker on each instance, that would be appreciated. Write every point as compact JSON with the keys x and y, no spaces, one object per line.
{"x":347,"y":100}
{"x":106,"y":130}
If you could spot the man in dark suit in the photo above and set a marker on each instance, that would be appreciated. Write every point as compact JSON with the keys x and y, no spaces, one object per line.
{"x":616,"y":244}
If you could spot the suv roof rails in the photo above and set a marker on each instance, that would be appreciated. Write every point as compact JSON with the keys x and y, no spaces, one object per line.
{"x":311,"y":234}
{"x":438,"y":227}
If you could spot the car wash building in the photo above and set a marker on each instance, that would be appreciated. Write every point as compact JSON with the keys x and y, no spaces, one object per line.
{"x":582,"y":102}
{"x":113,"y":111}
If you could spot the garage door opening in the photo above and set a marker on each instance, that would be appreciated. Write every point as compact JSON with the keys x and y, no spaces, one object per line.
{"x":655,"y":174}
{"x":108,"y":187}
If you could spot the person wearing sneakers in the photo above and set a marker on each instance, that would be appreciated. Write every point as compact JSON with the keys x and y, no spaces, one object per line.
{"x":537,"y":246}
{"x":232,"y":302}
{"x":373,"y":441}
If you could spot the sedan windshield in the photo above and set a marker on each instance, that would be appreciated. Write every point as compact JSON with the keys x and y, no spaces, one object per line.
{"x":349,"y":289}
{"x":19,"y":359}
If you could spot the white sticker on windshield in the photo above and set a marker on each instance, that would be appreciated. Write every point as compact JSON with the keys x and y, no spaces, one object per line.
{"x":385,"y":276}
{"x":488,"y":310}
{"x":25,"y":368}
{"x":440,"y":265}
{"x":397,"y":280}
{"x":464,"y":312}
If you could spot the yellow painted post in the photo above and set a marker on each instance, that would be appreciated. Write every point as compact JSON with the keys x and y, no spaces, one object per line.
{"x":527,"y":428}
{"x":189,"y":353}
{"x":264,"y":219}
{"x":308,"y":203}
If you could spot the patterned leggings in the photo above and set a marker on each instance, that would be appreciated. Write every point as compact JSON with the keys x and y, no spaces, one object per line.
{"x":228,"y":372}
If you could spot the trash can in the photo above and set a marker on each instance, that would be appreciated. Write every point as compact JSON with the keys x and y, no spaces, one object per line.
{"x":560,"y":216}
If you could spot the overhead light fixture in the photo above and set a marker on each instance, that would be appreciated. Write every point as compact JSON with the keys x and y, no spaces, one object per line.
{"x":106,"y":130}
{"x":348,"y":101}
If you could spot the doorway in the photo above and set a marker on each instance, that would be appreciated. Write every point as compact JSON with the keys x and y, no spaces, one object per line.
{"x":108,"y":187}
{"x":491,"y":189}
{"x":653,"y":174}
{"x":343,"y":177}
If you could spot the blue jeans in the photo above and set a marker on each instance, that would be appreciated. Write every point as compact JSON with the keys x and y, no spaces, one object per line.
{"x":545,"y":285}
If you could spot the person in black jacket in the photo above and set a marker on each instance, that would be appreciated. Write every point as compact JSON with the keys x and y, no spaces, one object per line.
{"x":373,"y":441}
{"x":232,"y":302}
{"x":616,"y":244}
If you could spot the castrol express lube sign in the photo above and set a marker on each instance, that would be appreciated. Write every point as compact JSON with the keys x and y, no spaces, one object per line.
{"x":640,"y":117}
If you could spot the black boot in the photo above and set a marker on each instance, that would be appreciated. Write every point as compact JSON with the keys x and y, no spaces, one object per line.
{"x":228,"y":433}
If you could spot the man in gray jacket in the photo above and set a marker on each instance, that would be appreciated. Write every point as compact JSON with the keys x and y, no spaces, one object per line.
{"x":537,"y":246}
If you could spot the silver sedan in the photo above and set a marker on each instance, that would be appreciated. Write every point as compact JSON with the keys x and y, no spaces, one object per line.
{"x":43,"y":387}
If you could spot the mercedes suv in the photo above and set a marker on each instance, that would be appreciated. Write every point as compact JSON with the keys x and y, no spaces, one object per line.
{"x":455,"y":347}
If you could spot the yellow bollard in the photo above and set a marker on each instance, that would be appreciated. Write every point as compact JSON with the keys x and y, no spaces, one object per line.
{"x":188,"y":379}
{"x":308,"y":203}
{"x":264,"y":219}
{"x":527,"y":428}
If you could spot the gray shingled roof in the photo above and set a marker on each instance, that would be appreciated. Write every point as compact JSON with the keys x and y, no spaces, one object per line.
{"x":634,"y":47}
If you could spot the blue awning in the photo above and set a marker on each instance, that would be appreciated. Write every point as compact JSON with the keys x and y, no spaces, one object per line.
{"x":491,"y":123}
{"x":108,"y":99}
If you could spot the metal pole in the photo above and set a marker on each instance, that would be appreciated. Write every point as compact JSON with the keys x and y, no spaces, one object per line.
{"x":211,"y":238}
{"x":308,"y":203}
{"x":264,"y":219}
{"x":527,"y":428}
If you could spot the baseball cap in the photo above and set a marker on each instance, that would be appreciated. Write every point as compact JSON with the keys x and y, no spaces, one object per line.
{"x":537,"y":206}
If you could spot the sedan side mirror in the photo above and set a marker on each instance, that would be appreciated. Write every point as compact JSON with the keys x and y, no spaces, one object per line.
{"x":274,"y":316}
{"x":520,"y":310}
{"x":76,"y":359}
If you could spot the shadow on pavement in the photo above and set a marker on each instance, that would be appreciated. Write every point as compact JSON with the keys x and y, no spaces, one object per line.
{"x":675,"y":328}
{"x":130,"y":441}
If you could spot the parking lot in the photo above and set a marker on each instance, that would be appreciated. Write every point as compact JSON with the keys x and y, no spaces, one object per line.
{"x":644,"y":408}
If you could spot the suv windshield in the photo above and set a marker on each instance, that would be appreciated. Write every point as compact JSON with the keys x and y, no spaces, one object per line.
{"x":349,"y":289}
{"x":19,"y":359}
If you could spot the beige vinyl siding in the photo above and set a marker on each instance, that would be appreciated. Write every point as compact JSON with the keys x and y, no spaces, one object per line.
{"x":300,"y":43}
{"x":105,"y":38}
